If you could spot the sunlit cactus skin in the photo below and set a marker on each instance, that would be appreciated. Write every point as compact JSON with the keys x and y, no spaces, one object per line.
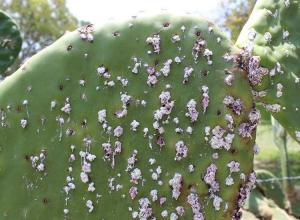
{"x":10,"y":41}
{"x":272,"y":32}
{"x":66,"y":111}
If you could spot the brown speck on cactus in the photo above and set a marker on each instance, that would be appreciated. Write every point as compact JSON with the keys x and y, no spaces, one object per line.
{"x":69,"y":47}
{"x":116,"y":34}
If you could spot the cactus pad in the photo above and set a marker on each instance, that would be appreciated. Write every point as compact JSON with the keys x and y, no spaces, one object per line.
{"x":10,"y":41}
{"x":143,"y":119}
{"x":272,"y":33}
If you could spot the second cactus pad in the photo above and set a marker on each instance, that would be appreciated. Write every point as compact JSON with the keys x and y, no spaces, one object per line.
{"x":272,"y":33}
{"x":145,"y":119}
{"x":10,"y":41}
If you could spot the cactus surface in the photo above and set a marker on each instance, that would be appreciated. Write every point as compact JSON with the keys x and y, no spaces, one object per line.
{"x":271,"y":35}
{"x":144,"y":119}
{"x":10,"y":41}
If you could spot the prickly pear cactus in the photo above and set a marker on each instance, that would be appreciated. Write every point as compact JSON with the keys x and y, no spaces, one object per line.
{"x":145,"y":119}
{"x":271,"y":34}
{"x":10,"y":41}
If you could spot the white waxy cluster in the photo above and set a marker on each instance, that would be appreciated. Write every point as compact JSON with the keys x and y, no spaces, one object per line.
{"x":52,"y":104}
{"x":154,"y":40}
{"x":154,"y":195}
{"x":217,"y":202}
{"x":111,"y":152}
{"x":134,"y":125}
{"x":246,"y":189}
{"x":152,"y":76}
{"x":181,"y":150}
{"x":166,"y":68}
{"x":209,"y":179}
{"x":133,"y":191}
{"x":279,"y":87}
{"x":123,"y":81}
{"x":70,"y":185}
{"x":85,"y":32}
{"x":37,"y":161}
{"x":229,"y":79}
{"x":192,"y":111}
{"x":131,"y":161}
{"x":155,"y":175}
{"x":118,"y":131}
{"x":234,"y":167}
{"x":193,"y":201}
{"x":198,"y":48}
{"x":255,"y":71}
{"x":285,"y":34}
{"x":67,"y":107}
{"x":187,"y":73}
{"x":230,"y":122}
{"x":86,"y":166}
{"x":272,"y":107}
{"x":176,"y":184}
{"x":125,"y":99}
{"x":205,"y":98}
{"x":113,"y":186}
{"x":235,"y":105}
{"x":208,"y":54}
{"x":251,"y":34}
{"x":219,"y":139}
{"x":102,"y":116}
{"x":145,"y":211}
{"x":166,"y":106}
{"x":136,"y":175}
{"x":103,"y":72}
{"x":268,"y":37}
{"x":23,"y":123}
{"x":89,"y":205}
{"x":137,"y":65}
{"x":175,"y":38}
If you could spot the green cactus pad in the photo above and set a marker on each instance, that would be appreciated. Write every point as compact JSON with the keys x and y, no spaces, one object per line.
{"x":128,"y":120}
{"x":271,"y":190}
{"x":10,"y":41}
{"x":265,"y":208}
{"x":273,"y":32}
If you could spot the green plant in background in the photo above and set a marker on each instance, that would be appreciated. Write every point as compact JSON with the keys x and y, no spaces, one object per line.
{"x":10,"y":41}
{"x":280,"y":139}
{"x":41,"y":22}
{"x":150,"y":118}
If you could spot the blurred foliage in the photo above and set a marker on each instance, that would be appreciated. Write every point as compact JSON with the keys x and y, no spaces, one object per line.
{"x":236,"y":14}
{"x":41,"y":22}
